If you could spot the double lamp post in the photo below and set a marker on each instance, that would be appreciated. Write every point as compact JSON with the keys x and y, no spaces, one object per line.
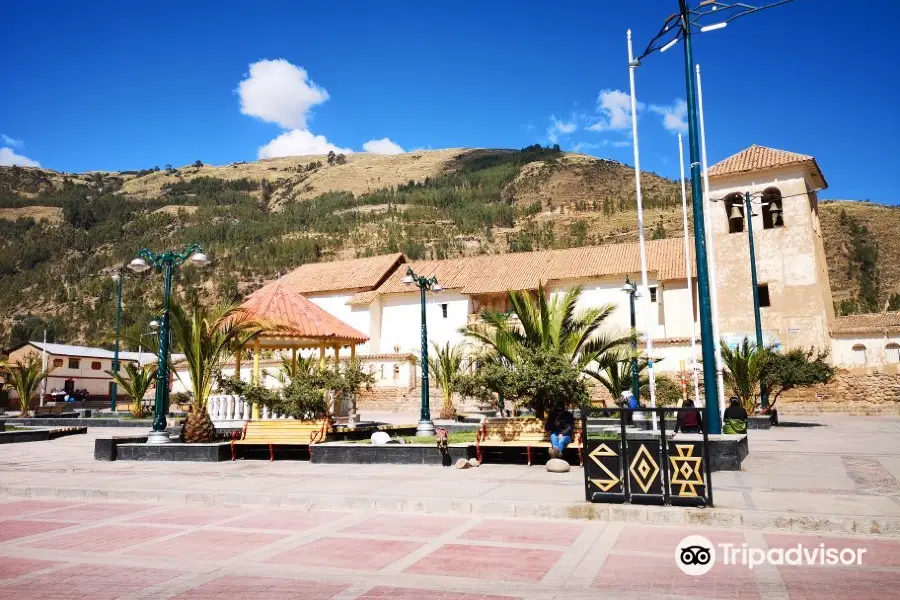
{"x":425,"y":428}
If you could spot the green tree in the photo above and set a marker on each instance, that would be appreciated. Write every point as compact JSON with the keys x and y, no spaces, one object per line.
{"x":445,"y":366}
{"x":795,"y":368}
{"x":207,"y":337}
{"x":894,"y":302}
{"x":135,"y":381}
{"x":24,"y":377}
{"x":745,"y":365}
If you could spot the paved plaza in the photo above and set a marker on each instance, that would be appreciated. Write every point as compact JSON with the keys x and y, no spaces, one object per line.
{"x":73,"y":527}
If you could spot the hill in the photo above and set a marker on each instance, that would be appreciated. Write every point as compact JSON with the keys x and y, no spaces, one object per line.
{"x":62,"y":234}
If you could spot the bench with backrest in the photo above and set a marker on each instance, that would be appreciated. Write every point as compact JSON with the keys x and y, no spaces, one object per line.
{"x":528,"y":433}
{"x":281,"y":432}
{"x":50,"y":411}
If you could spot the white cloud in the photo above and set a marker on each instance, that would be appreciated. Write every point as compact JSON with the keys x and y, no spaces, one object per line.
{"x":11,"y":141}
{"x":279,"y":92}
{"x":614,"y":107}
{"x":383,"y":146}
{"x":9,"y":158}
{"x":674,"y":115}
{"x":299,"y":142}
{"x":558,"y":128}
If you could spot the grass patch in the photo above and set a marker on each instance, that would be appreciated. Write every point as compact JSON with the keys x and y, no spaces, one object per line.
{"x":458,"y":437}
{"x":14,"y":428}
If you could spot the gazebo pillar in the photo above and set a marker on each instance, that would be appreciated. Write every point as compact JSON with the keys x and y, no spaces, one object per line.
{"x":255,"y":414}
{"x":294,"y":359}
{"x":237,"y":362}
{"x":352,"y":351}
{"x":322,"y":355}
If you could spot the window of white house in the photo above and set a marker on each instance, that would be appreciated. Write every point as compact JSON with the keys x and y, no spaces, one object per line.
{"x":74,"y":363}
{"x":653,"y":291}
{"x":444,"y":310}
{"x":96,"y":366}
{"x":859,"y":354}
{"x":57,"y":363}
{"x":892,"y":353}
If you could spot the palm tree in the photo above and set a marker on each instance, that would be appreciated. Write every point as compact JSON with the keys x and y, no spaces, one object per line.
{"x":290,"y":369}
{"x":207,"y":336}
{"x":536,"y":323}
{"x":444,"y":364}
{"x":745,"y":365}
{"x":24,"y":377}
{"x":136,"y":380}
{"x":616,"y":377}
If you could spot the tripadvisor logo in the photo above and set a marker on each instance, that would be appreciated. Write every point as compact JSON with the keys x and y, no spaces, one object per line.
{"x":695,"y":555}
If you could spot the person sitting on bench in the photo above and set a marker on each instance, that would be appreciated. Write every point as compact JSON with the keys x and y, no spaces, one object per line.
{"x":689,"y":421}
{"x":560,"y":424}
{"x":735,"y":417}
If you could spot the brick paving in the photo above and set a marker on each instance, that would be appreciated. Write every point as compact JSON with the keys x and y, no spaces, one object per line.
{"x":137,"y":551}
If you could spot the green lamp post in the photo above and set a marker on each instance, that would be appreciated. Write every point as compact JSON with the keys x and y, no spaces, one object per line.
{"x":165,"y":263}
{"x":763,"y":391}
{"x":425,"y":427}
{"x":631,"y":289}
{"x":677,"y":27}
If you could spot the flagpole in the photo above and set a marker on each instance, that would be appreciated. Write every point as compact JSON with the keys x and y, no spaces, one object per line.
{"x":687,"y":271}
{"x":640,"y":215}
{"x":711,"y":251}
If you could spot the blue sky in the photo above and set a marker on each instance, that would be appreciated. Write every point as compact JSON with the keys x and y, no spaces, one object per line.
{"x":115,"y":85}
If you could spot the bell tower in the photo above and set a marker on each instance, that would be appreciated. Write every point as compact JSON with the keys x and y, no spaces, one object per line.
{"x":794,"y":291}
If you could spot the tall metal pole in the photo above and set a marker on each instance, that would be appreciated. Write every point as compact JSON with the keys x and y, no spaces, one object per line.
{"x":641,"y":238}
{"x":114,"y":388}
{"x":707,"y":335}
{"x":763,"y":392}
{"x":711,"y":248}
{"x":44,"y":369}
{"x":687,"y":272}
{"x":425,"y":427}
{"x":161,"y":406}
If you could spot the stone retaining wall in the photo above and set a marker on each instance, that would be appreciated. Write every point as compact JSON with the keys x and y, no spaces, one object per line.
{"x":405,"y":400}
{"x":853,"y":391}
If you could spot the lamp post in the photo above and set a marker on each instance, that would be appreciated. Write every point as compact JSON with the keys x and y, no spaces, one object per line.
{"x":154,"y":328}
{"x":164,"y":263}
{"x":675,"y":28}
{"x":632,"y":291}
{"x":114,"y":390}
{"x":426,"y":426}
{"x":763,"y":392}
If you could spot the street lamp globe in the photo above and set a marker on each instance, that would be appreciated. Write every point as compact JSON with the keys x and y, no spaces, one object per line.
{"x":199,"y":259}
{"x":138,"y":265}
{"x":436,"y":287}
{"x":628,"y":288}
{"x":154,"y":324}
{"x":407,"y":280}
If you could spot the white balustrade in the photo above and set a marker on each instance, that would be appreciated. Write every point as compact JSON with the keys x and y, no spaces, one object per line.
{"x":227,"y":410}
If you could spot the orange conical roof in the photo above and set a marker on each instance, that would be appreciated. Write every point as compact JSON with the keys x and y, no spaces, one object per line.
{"x":276,"y":303}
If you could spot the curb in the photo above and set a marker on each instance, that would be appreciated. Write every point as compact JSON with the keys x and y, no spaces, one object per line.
{"x":658,"y":515}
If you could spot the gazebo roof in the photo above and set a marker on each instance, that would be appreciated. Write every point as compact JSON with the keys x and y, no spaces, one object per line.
{"x":299,"y":322}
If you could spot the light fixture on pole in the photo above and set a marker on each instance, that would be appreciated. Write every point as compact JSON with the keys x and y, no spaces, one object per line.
{"x":680,"y":26}
{"x":425,"y":428}
{"x":165,"y":263}
{"x":154,"y":327}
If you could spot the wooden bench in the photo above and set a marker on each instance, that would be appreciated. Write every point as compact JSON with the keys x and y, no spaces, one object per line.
{"x":281,"y":432}
{"x":49,"y":411}
{"x":528,"y":433}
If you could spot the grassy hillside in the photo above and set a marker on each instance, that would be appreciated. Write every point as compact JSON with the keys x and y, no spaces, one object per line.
{"x":62,"y":235}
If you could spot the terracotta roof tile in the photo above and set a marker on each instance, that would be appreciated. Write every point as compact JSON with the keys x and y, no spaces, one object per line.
{"x":760,"y":158}
{"x":874,"y":322}
{"x":279,"y":304}
{"x":356,"y":274}
{"x":525,"y":270}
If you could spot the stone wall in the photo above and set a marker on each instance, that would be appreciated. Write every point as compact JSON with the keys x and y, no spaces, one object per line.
{"x":405,"y":400}
{"x":854,"y":391}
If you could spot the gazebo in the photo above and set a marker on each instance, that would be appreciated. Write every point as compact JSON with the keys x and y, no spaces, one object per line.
{"x":296,"y":324}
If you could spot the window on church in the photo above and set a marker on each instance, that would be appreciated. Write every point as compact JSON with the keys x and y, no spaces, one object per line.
{"x":859,"y":354}
{"x":763,"y":290}
{"x":444,"y":310}
{"x":892,"y":353}
{"x":653,"y":293}
{"x":734,"y":212}
{"x":772,"y":211}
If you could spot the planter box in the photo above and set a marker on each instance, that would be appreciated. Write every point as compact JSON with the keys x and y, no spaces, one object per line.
{"x":106,"y":448}
{"x":215,"y":452}
{"x":76,"y":422}
{"x":391,"y":454}
{"x":760,"y":422}
{"x":38,"y":435}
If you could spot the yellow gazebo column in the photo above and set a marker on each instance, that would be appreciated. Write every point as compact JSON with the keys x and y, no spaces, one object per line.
{"x":294,"y":359}
{"x":352,"y":351}
{"x":255,"y":414}
{"x":322,"y":354}
{"x":237,"y":362}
